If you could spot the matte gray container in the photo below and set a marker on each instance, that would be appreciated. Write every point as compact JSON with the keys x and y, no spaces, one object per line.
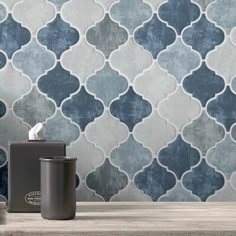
{"x":58,"y":188}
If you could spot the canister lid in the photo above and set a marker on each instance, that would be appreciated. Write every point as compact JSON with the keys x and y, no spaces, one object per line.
{"x":57,"y":159}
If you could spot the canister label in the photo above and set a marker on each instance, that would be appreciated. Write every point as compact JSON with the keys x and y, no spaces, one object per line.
{"x":33,"y":198}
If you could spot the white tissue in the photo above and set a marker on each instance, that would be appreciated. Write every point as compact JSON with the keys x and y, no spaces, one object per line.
{"x":37,"y":132}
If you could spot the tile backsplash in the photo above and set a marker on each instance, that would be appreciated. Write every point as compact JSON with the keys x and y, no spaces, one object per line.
{"x":143,"y":92}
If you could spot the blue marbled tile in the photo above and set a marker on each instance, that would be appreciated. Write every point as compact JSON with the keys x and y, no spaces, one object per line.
{"x":131,"y":13}
{"x":233,"y":132}
{"x":34,"y":107}
{"x":107,"y":180}
{"x":77,"y":181}
{"x":131,"y":156}
{"x":3,"y":12}
{"x":233,"y":84}
{"x":3,"y":157}
{"x":179,"y":194}
{"x":179,"y":156}
{"x":82,"y":108}
{"x":3,"y":180}
{"x":223,"y":108}
{"x":107,"y":84}
{"x":58,"y":84}
{"x":222,"y":156}
{"x":154,"y":36}
{"x":179,"y":14}
{"x":12,"y":36}
{"x":203,"y":180}
{"x":155,"y":180}
{"x":58,"y":3}
{"x":3,"y":60}
{"x":2,"y":109}
{"x":33,"y":60}
{"x":179,"y":60}
{"x":58,"y":36}
{"x":203,"y":133}
{"x":203,"y":3}
{"x":203,"y":36}
{"x":60,"y":128}
{"x":130,"y":108}
{"x":223,"y":13}
{"x":107,"y":35}
{"x":12,"y":129}
{"x":203,"y":84}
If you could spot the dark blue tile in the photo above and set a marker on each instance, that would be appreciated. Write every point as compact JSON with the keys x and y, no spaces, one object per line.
{"x":155,"y":36}
{"x":77,"y":181}
{"x":203,"y":36}
{"x":58,"y":84}
{"x":3,"y":180}
{"x":12,"y":36}
{"x":203,"y":180}
{"x":179,"y":156}
{"x":2,"y":109}
{"x":155,"y":180}
{"x":179,"y":13}
{"x":82,"y":108}
{"x":107,"y":180}
{"x":58,"y":36}
{"x":3,"y":60}
{"x":203,"y":84}
{"x":130,"y":108}
{"x":3,"y":157}
{"x":223,"y":108}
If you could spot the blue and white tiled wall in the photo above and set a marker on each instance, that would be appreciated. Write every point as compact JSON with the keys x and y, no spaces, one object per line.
{"x":143,"y":92}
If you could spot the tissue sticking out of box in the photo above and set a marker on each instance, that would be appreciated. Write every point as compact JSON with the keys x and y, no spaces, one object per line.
{"x":37,"y":132}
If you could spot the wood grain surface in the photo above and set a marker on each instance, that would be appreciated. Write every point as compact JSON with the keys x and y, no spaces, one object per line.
{"x":122,"y":218}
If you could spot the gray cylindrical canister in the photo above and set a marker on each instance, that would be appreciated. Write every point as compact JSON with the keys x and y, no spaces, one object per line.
{"x":58,"y":187}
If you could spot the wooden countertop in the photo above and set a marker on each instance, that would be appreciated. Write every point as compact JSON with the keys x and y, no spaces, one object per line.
{"x":113,"y":219}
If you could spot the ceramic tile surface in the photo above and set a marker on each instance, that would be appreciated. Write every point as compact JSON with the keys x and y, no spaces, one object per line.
{"x":143,"y":93}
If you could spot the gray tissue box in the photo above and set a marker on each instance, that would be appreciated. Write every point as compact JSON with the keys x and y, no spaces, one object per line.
{"x":24,"y":172}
